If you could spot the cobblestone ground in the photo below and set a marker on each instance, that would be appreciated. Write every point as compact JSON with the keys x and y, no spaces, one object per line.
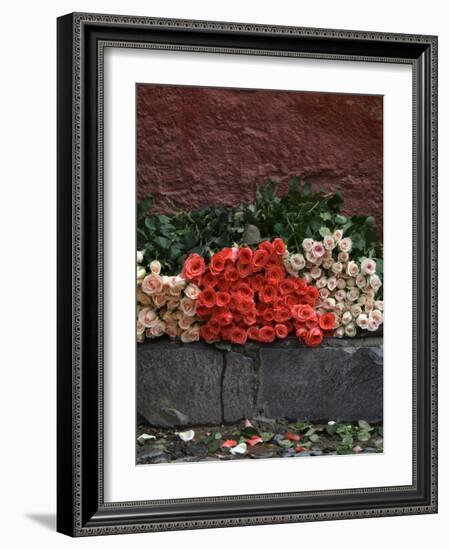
{"x":258,"y":438}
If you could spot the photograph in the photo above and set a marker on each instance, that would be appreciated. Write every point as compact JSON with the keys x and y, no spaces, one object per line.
{"x":259,"y":291}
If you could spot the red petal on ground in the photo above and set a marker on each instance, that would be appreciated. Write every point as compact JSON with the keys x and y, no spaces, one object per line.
{"x":228,"y":444}
{"x":292,"y":437}
{"x":254,"y":440}
{"x":299,"y":449}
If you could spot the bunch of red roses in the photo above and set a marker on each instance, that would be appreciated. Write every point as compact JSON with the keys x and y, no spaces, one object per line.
{"x":247,"y":293}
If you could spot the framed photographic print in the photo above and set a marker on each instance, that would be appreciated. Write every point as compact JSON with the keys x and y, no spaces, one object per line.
{"x":246,"y":274}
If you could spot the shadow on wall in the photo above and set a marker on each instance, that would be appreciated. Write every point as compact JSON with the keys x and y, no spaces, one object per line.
{"x":204,"y":146}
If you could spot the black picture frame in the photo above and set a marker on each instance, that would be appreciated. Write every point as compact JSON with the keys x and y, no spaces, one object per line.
{"x":81,"y":510}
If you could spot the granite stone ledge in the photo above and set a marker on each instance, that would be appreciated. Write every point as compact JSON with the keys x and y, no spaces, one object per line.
{"x":196,"y":384}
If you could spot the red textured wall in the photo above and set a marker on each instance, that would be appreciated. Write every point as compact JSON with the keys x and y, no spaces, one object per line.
{"x":203,"y":146}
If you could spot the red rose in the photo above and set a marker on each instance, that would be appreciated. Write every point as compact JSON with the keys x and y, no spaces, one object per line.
{"x":244,"y":270}
{"x":223,"y":284}
{"x":244,"y":290}
{"x":209,"y":280}
{"x":312,"y":294}
{"x":287,"y":286}
{"x":207,"y":334}
{"x":274,"y":275}
{"x":253,"y":333}
{"x":266,"y":245}
{"x":194,"y":266}
{"x":222,"y":299}
{"x":268,"y":315}
{"x":245,"y":255}
{"x":279,"y":246}
{"x":281,"y":330}
{"x":314,"y":337}
{"x":303,"y":313}
{"x":327,"y":321}
{"x":231,"y":274}
{"x":203,"y":312}
{"x":290,"y":300}
{"x":281,"y":314}
{"x":250,"y":318}
{"x":267,"y":334}
{"x":217,"y":263}
{"x":260,"y":258}
{"x":268,"y":294}
{"x":206,"y":297}
{"x":301,"y":333}
{"x":257,"y":282}
{"x":238,"y":335}
{"x":246,"y":306}
{"x":223,"y":318}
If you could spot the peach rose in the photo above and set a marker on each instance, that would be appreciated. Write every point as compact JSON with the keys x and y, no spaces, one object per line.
{"x":143,"y":298}
{"x":188,"y":306}
{"x":160,"y":300}
{"x":192,"y":334}
{"x":192,"y":291}
{"x":147,"y":317}
{"x":185,"y":321}
{"x":152,"y":284}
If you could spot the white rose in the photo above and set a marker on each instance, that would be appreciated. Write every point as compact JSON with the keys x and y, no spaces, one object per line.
{"x":345,"y":244}
{"x":337,"y":235}
{"x":346,"y":317}
{"x":139,"y":257}
{"x":356,"y":310}
{"x":362,"y":321}
{"x":341,"y":283}
{"x":350,"y":330}
{"x":376,"y":315}
{"x":141,"y":272}
{"x":148,"y":317}
{"x":339,"y":332}
{"x":327,"y":264}
{"x":321,"y":283}
{"x":329,"y":243}
{"x":331,"y":283}
{"x":188,"y":306}
{"x":329,"y":303}
{"x":307,"y":244}
{"x":324,"y":293}
{"x":360,"y":281}
{"x":340,"y":307}
{"x":362,"y":299}
{"x":352,"y":269}
{"x":368,"y":266}
{"x":152,"y":284}
{"x":372,"y":325}
{"x":369,"y":305}
{"x":340,"y":295}
{"x":155,"y":267}
{"x":353,"y":294}
{"x":311,"y":258}
{"x":375,"y":282}
{"x":379,"y":304}
{"x":337,"y":267}
{"x":308,"y":278}
{"x":177,"y":282}
{"x":297,"y":262}
{"x":343,"y":257}
{"x":318,"y":250}
{"x":315,"y":272}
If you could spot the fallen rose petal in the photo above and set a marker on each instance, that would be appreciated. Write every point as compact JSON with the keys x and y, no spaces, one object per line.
{"x":186,"y":436}
{"x":248,"y":424}
{"x":228,"y":444}
{"x":254,"y":440}
{"x":145,"y":437}
{"x":240,"y":449}
{"x":292,"y":437}
{"x":357,"y":449}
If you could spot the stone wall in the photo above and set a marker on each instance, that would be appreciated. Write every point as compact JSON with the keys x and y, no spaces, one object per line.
{"x":205,"y":146}
{"x":193,"y":384}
